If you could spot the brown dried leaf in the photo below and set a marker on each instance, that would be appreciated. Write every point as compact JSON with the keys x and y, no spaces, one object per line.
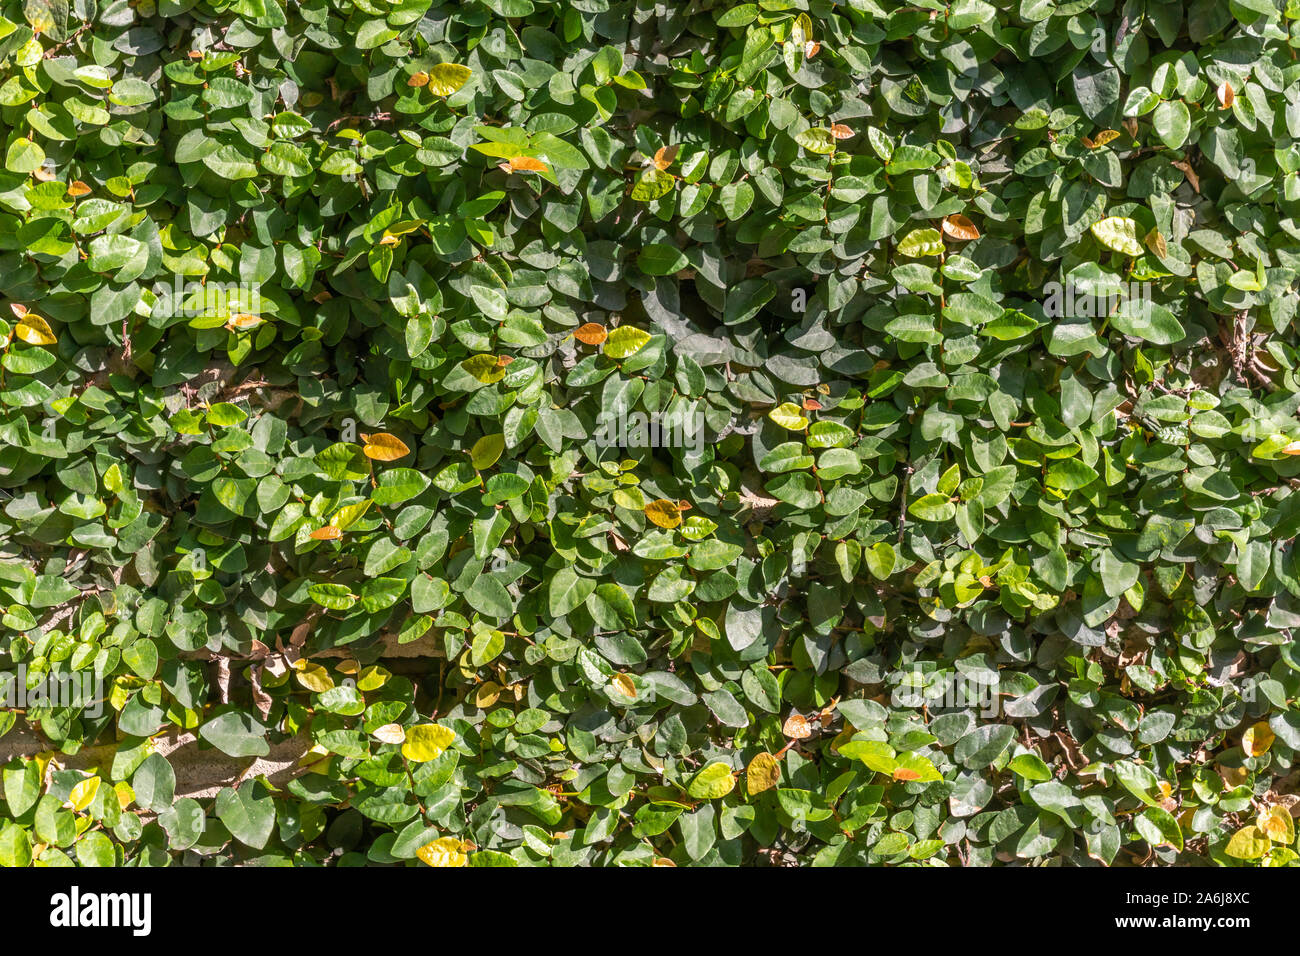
{"x":959,"y":227}
{"x":796,"y":727}
{"x":664,"y":156}
{"x":1192,"y":178}
{"x":592,"y":333}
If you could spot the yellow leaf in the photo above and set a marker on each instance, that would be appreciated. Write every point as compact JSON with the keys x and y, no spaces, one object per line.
{"x":391,"y":734}
{"x":373,"y":678}
{"x":763,"y":773}
{"x":1101,"y":139}
{"x":347,"y":516}
{"x":312,"y":676}
{"x":487,"y":450}
{"x":446,"y":78}
{"x":486,"y":368}
{"x":789,"y":416}
{"x":625,"y":340}
{"x":1118,"y":233}
{"x":382,"y":446}
{"x":445,"y":851}
{"x":625,"y":685}
{"x":427,"y":742}
{"x":124,"y":793}
{"x":34,"y":330}
{"x":1277,"y":824}
{"x":83,"y":794}
{"x":801,"y":30}
{"x":486,"y":695}
{"x":664,"y":513}
{"x":714,"y":782}
{"x":1257,"y":739}
{"x":1248,"y":843}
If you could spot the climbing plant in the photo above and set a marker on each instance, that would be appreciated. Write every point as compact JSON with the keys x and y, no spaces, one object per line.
{"x":606,"y":432}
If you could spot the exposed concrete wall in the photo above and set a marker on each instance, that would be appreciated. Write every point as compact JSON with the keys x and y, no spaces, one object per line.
{"x":203,"y":772}
{"x":199,"y":772}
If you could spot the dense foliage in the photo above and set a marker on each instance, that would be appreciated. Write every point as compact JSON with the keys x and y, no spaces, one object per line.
{"x":616,"y":432}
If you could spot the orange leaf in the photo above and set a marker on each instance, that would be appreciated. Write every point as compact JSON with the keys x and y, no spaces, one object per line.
{"x":1292,"y":449}
{"x":958,"y":226}
{"x":665,"y":155}
{"x":810,"y":49}
{"x":840,"y":131}
{"x":382,"y":446}
{"x":77,"y":189}
{"x":664,"y":513}
{"x":1226,"y":95}
{"x":796,"y":726}
{"x":244,"y":321}
{"x":327,"y":533}
{"x":526,"y":164}
{"x":811,"y":405}
{"x":593,"y":333}
{"x":43,"y":174}
{"x":418,"y":79}
{"x":18,"y":309}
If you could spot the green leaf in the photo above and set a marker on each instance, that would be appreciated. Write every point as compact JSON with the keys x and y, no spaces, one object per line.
{"x":712,"y":783}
